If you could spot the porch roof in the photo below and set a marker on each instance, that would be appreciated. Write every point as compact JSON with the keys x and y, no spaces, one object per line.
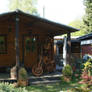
{"x":85,"y":37}
{"x":31,"y":21}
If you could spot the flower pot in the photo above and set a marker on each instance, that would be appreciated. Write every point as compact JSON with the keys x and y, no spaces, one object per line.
{"x":67,"y":79}
{"x":22,"y":82}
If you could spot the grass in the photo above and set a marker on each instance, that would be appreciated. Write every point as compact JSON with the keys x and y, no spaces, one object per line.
{"x":57,"y":87}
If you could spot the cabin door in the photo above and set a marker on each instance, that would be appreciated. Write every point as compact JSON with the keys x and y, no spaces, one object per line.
{"x":29,"y":47}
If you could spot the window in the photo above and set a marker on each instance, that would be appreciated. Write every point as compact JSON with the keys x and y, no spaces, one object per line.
{"x":3,"y":44}
{"x":75,"y":47}
{"x":30,"y":44}
{"x":60,"y":48}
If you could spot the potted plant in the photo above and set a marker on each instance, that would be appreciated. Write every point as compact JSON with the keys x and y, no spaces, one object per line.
{"x":22,"y":77}
{"x":67,"y":72}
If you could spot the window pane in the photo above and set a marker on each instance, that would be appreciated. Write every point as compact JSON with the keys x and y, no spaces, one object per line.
{"x":3,"y":45}
{"x":30,"y":44}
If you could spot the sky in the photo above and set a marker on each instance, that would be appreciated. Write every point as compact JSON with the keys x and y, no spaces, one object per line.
{"x":3,"y":6}
{"x":61,"y":11}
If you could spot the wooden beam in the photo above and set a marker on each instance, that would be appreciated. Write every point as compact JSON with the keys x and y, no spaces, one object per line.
{"x":17,"y":45}
{"x":69,"y":48}
{"x":23,"y":51}
{"x":65,"y":51}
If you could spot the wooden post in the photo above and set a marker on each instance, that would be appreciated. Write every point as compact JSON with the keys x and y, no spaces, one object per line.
{"x":57,"y":49}
{"x":65,"y":51}
{"x":23,"y":51}
{"x":69,"y":48}
{"x":17,"y":45}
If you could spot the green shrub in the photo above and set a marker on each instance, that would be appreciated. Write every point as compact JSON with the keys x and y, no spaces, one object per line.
{"x":6,"y":87}
{"x":67,"y":71}
{"x":86,"y":75}
{"x":77,"y":65}
{"x":79,"y":90}
{"x":23,"y":74}
{"x":88,"y":67}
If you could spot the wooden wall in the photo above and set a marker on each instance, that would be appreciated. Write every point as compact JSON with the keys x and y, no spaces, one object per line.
{"x":9,"y":59}
{"x":86,"y":49}
{"x":75,"y":49}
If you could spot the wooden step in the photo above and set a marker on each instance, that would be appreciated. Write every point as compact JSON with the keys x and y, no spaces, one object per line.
{"x":44,"y":79}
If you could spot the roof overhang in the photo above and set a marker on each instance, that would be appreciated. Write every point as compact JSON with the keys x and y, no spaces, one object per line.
{"x":85,"y":37}
{"x":31,"y":21}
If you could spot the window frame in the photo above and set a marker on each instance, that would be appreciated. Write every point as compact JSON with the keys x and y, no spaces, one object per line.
{"x":5,"y":38}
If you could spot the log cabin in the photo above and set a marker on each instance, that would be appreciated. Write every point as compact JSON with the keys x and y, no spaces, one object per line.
{"x":28,"y":40}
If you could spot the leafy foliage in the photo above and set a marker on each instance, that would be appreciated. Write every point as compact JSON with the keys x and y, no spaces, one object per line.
{"x":78,"y":23}
{"x":23,"y":74}
{"x":6,"y":87}
{"x":67,"y":71}
{"x":77,"y":65}
{"x":28,"y":6}
{"x":88,"y":16}
{"x":88,"y":66}
{"x":85,"y":25}
{"x":86,"y":77}
{"x":87,"y":73}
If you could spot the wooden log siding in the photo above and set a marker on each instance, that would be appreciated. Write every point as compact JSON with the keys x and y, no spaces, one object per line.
{"x":28,"y":24}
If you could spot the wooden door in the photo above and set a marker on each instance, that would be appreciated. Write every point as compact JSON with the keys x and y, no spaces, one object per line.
{"x":29,"y":54}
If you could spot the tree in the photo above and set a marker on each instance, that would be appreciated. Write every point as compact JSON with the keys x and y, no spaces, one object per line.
{"x":28,"y":6}
{"x":78,"y":23}
{"x":88,"y":16}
